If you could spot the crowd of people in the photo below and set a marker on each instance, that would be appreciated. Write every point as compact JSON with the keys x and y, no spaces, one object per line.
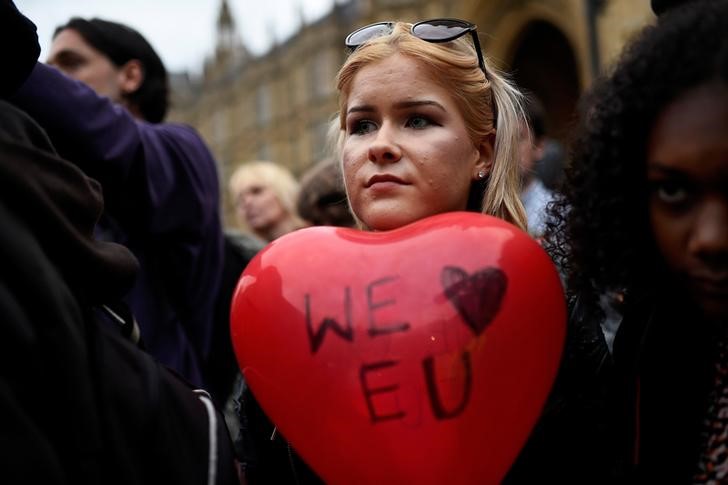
{"x":118,"y":274}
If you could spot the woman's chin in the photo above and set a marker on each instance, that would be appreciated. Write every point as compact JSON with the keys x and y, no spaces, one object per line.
{"x":387,"y":222}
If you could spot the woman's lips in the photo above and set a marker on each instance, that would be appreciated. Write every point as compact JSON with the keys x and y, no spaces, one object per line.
{"x":384,"y":178}
{"x":711,"y":287}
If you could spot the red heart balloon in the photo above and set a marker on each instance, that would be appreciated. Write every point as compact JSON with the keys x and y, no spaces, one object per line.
{"x":421,"y":355}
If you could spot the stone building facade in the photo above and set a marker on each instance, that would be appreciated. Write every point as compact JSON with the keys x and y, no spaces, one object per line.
{"x":277,"y":106}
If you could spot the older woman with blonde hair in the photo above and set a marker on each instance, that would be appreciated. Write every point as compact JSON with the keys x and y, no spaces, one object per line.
{"x":264,"y":195}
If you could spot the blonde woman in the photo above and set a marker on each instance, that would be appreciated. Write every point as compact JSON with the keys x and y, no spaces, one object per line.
{"x":426,"y":126}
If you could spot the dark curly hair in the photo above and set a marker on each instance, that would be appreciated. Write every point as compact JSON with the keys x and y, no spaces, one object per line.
{"x":121,"y":44}
{"x":600,"y":231}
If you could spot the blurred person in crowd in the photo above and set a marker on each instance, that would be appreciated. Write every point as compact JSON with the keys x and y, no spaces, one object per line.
{"x":102,"y":100}
{"x":550,"y":169}
{"x":645,"y":212}
{"x":264,"y":195}
{"x":76,"y":391}
{"x":534,"y":195}
{"x":322,"y":198}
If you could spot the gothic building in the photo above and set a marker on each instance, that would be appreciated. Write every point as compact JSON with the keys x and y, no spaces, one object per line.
{"x":277,"y":106}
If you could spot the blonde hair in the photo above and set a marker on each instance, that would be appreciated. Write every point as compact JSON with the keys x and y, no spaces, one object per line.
{"x":454,"y":65}
{"x":270,"y":174}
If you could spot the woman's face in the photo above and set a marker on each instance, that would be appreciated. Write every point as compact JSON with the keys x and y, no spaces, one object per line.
{"x":406,"y":153}
{"x":687,"y":169}
{"x":259,"y":207}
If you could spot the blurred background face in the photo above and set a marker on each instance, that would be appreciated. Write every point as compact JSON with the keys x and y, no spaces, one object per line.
{"x":74,"y":57}
{"x":259,"y":208}
{"x":530,"y":151}
{"x":687,"y":169}
{"x":407,"y":153}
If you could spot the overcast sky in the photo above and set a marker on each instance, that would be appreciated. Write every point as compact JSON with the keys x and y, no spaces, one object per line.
{"x":182,"y":31}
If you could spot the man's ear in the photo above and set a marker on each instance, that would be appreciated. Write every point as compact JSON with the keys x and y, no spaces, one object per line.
{"x":486,"y":155}
{"x":131,"y":76}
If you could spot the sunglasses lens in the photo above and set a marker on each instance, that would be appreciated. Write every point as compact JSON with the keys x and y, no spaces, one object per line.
{"x":440,"y":30}
{"x":358,"y":37}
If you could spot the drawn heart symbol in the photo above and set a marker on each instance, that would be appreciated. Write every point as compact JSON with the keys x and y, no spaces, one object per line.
{"x":419,"y":355}
{"x":477,"y":297}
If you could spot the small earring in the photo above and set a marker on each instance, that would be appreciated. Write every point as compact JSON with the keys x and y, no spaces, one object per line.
{"x":481,"y":174}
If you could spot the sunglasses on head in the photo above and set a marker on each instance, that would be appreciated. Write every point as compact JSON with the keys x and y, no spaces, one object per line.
{"x":434,"y":30}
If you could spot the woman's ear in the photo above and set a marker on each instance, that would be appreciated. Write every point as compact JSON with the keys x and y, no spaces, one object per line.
{"x":131,"y":76}
{"x":485,"y":159}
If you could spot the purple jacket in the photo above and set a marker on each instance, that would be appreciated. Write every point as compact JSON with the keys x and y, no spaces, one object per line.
{"x":162,"y":201}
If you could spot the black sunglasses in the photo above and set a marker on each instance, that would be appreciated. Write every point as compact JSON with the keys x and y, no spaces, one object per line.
{"x":435,"y":30}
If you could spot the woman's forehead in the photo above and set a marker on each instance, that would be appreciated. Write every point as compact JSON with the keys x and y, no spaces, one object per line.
{"x":397,"y":76}
{"x":691,"y":133}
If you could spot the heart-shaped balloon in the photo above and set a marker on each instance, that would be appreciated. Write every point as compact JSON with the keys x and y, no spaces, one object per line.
{"x":418,"y":355}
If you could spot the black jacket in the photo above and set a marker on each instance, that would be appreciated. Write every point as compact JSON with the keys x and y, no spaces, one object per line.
{"x":664,"y":355}
{"x":79,"y":402}
{"x":572,"y":441}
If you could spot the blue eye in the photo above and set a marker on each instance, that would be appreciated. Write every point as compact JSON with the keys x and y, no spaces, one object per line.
{"x":362,"y":127}
{"x":418,"y":122}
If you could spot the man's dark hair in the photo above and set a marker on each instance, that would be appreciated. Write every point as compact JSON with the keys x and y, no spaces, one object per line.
{"x":662,"y":6}
{"x":121,"y":44}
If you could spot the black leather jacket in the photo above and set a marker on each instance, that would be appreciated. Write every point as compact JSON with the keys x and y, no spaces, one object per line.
{"x":571,"y":442}
{"x":264,"y":454}
{"x":664,"y":359}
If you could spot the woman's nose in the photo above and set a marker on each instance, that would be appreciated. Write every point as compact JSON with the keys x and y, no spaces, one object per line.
{"x":384,"y":147}
{"x":709,"y":237}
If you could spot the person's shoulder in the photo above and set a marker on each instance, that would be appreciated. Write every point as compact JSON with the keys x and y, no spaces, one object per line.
{"x":535,"y":197}
{"x":173,"y":128}
{"x":544,"y":193}
{"x":244,"y":242}
{"x":18,"y":128}
{"x":181,"y":135}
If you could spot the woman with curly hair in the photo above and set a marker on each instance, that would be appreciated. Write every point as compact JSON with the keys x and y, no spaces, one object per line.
{"x":644,"y":212}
